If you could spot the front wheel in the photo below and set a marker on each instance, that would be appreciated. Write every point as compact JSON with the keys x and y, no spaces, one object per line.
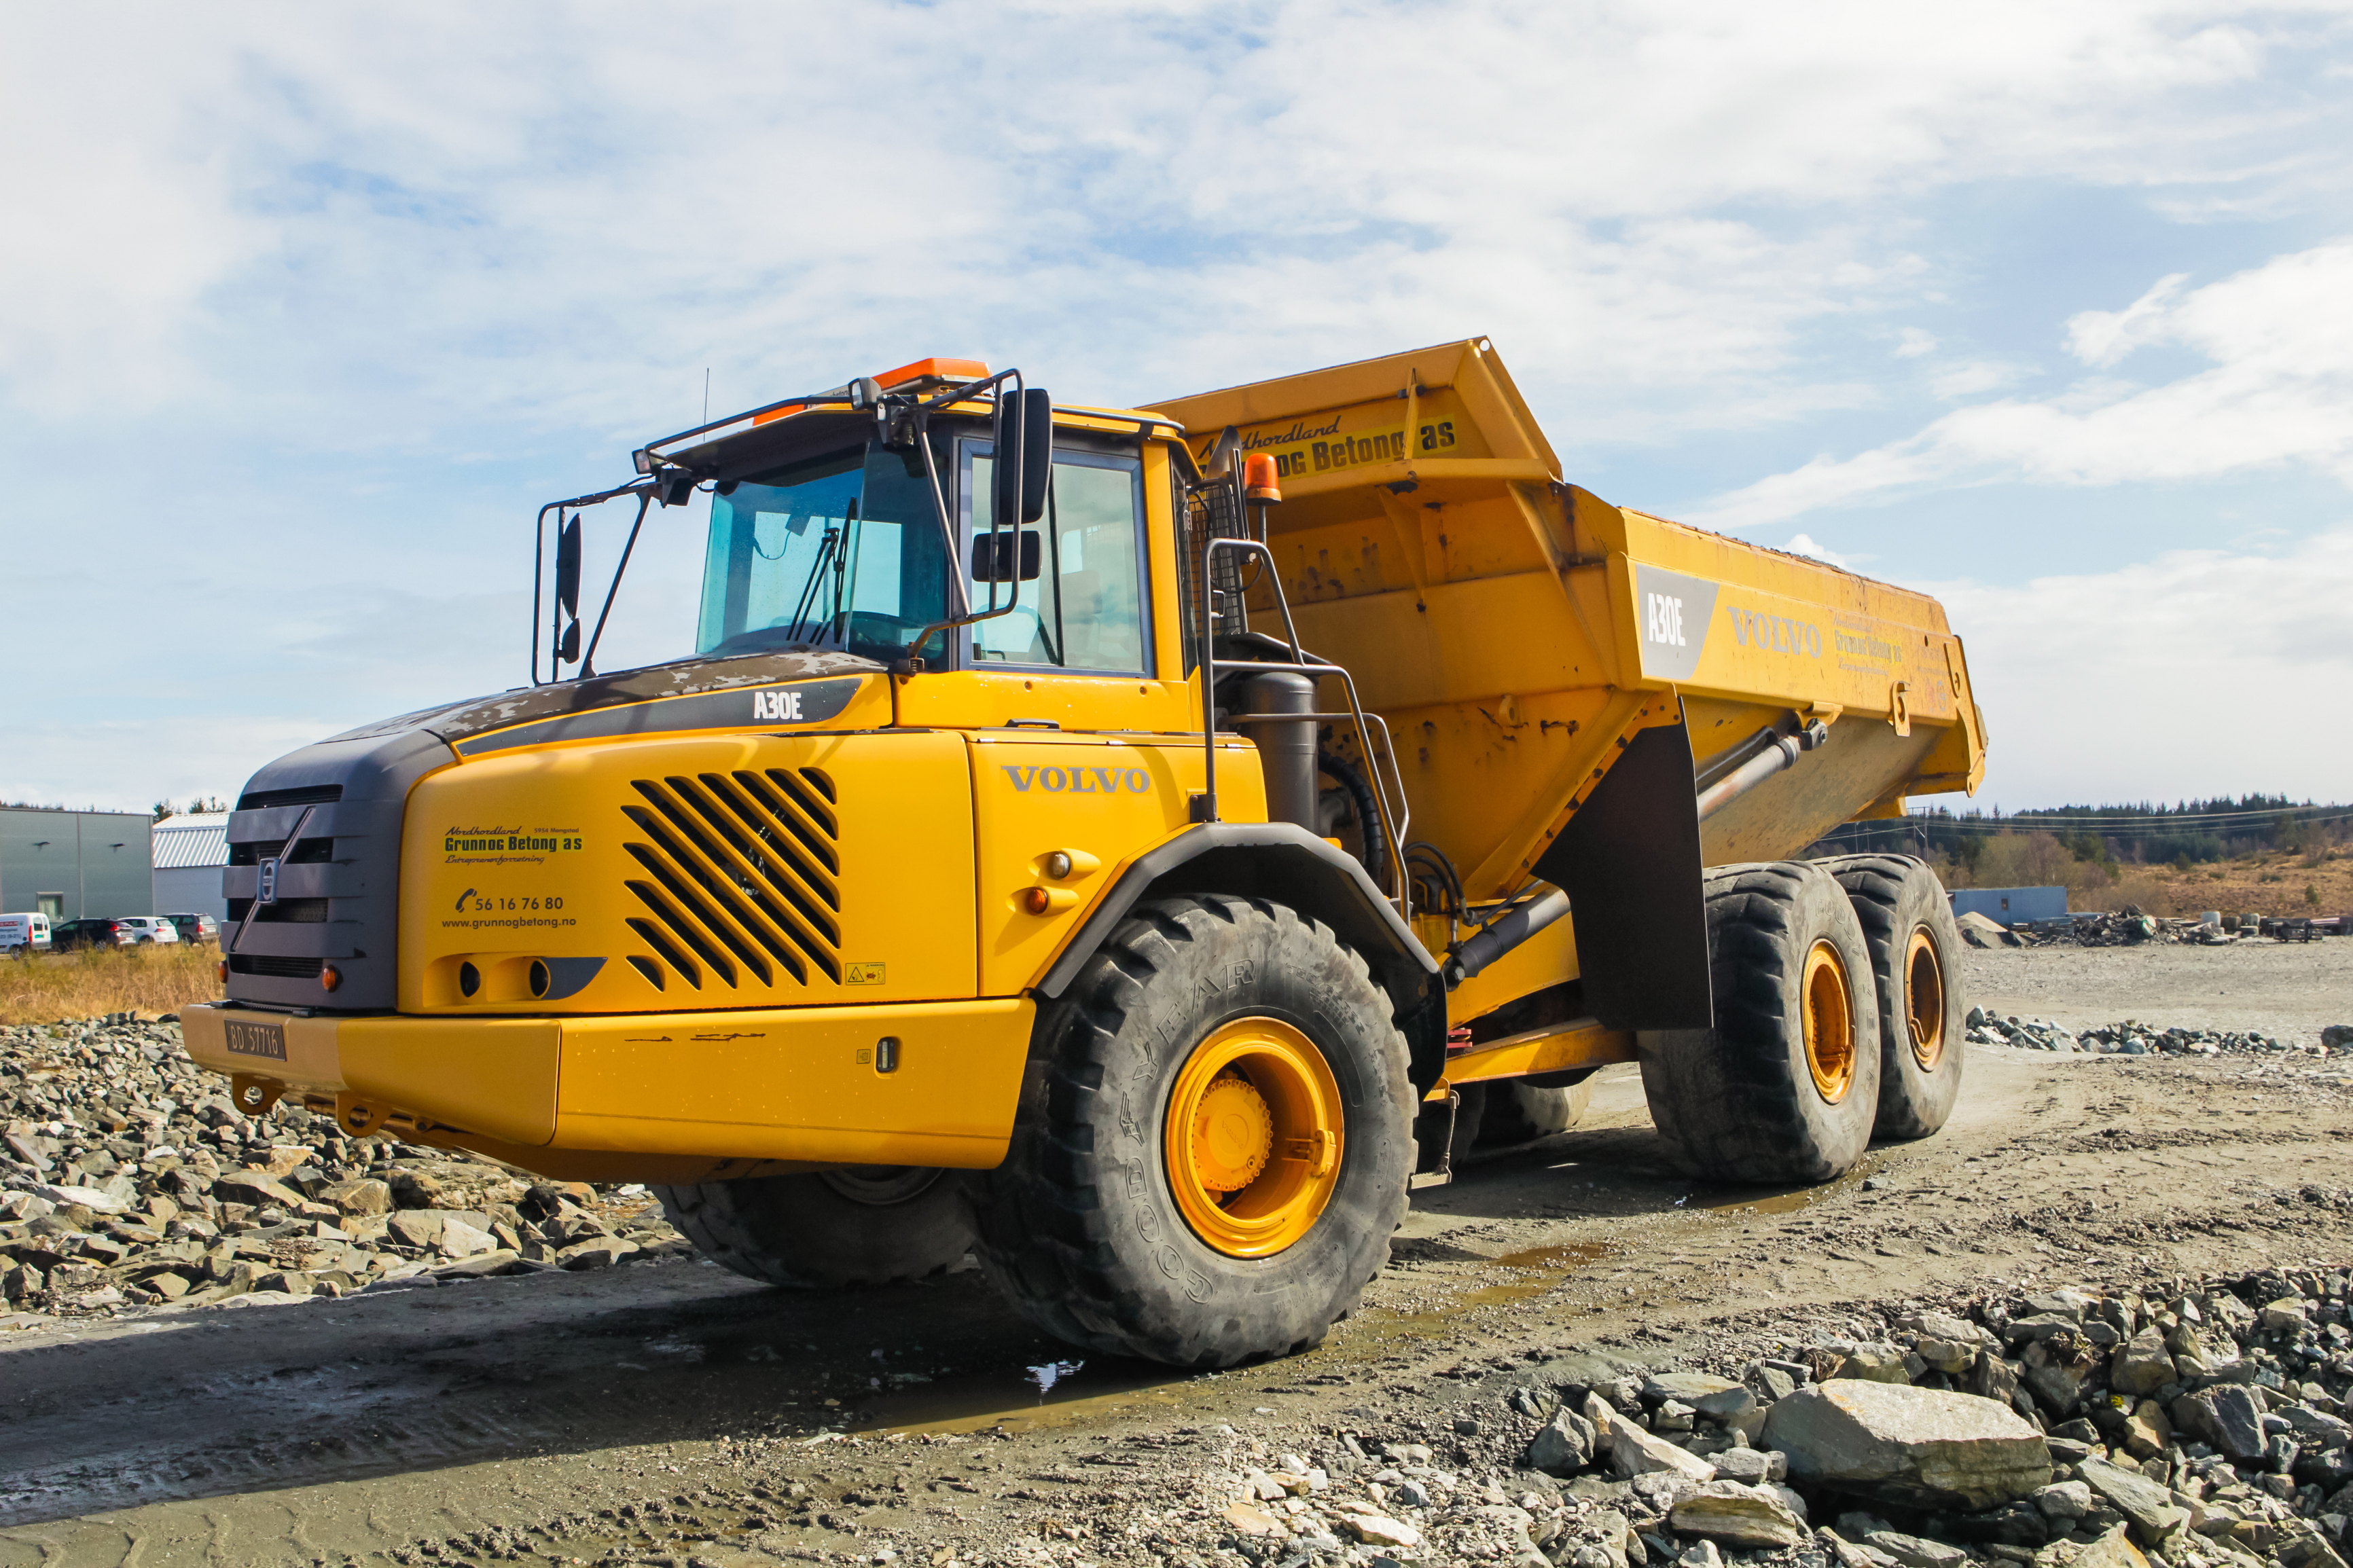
{"x":1213,"y":1142}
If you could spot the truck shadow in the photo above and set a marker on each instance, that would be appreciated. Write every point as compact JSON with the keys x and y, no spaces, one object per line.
{"x":1602,"y":1173}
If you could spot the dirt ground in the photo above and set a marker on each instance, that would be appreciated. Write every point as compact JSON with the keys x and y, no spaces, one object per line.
{"x":670,"y":1413}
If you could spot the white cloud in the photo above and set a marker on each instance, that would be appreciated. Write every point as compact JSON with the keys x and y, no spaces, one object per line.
{"x":2092,"y":684}
{"x":446,"y":211}
{"x":1968,"y":379}
{"x":2278,"y":392}
{"x":2101,"y":338}
{"x":1914,"y":341}
{"x":1803,"y":544}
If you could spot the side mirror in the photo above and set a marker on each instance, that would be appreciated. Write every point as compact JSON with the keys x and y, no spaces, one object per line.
{"x":1025,"y":457}
{"x":568,"y":588}
{"x":994,"y":556}
{"x":568,"y":567}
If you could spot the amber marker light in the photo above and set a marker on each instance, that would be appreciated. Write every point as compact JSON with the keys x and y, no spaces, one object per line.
{"x":1259,"y":487}
{"x":329,"y":977}
{"x":223,"y":967}
{"x":1047,"y":900}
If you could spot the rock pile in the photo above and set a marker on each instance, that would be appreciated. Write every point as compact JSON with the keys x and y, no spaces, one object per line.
{"x":2133,"y":1038}
{"x":128,"y":1179}
{"x":2202,"y":1426}
{"x":2199,"y":1427}
{"x":2130,"y":928}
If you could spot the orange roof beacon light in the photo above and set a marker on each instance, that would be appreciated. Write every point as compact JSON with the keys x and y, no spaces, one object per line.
{"x":946,"y":371}
{"x":923,"y":376}
{"x":1258,"y":487}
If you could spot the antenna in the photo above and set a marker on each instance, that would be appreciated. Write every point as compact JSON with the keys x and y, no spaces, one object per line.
{"x":706,"y":394}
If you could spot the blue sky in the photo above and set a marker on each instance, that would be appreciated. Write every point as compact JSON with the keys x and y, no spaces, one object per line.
{"x":2047,"y":309}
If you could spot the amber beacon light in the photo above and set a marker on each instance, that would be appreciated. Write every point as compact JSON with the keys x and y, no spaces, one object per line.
{"x":1259,"y":487}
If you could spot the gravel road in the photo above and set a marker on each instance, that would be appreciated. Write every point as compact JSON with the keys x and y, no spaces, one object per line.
{"x":665,"y":1412}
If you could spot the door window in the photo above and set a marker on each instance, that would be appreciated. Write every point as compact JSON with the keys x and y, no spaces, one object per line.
{"x":1085,"y":611}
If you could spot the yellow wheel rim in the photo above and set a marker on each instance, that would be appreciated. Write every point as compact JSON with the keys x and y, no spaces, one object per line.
{"x":1252,"y":1138}
{"x":1829,"y":1024}
{"x":1924,"y":990}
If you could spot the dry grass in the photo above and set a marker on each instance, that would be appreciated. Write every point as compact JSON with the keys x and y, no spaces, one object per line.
{"x":2271,"y":883}
{"x":47,"y":988}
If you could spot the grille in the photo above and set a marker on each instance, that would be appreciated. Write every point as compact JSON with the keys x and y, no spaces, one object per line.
{"x":308,"y":794}
{"x":741,"y":881}
{"x":276,"y":968}
{"x":307,"y":851}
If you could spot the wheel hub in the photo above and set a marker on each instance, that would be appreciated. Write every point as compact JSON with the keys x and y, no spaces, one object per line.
{"x":1233,"y":1134}
{"x":1252,"y":1137}
{"x":1924,"y":993}
{"x":1829,"y":1022}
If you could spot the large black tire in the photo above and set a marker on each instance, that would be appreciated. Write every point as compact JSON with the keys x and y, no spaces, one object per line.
{"x":860,"y":1225}
{"x":1740,"y":1102}
{"x":1522,"y":1113}
{"x":1907,"y":924}
{"x":1080,"y":1226}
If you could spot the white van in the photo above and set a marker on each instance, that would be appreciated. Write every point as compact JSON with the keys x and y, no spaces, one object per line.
{"x":141,"y":929}
{"x":20,"y":934}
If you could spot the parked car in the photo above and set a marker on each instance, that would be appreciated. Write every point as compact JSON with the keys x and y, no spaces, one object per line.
{"x":141,"y":930}
{"x":195,"y":927}
{"x":87,"y":933}
{"x":21,"y":934}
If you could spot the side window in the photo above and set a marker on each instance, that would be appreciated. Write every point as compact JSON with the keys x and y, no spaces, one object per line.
{"x":1085,"y":609}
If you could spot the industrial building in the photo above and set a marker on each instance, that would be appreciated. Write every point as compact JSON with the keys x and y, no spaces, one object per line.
{"x":68,"y":865}
{"x":2011,"y":906}
{"x":190,"y":852}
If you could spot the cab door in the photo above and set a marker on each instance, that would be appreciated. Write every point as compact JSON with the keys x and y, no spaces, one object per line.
{"x":1078,"y":718}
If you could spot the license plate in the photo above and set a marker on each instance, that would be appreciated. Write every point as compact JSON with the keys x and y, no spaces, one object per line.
{"x":246,"y":1039}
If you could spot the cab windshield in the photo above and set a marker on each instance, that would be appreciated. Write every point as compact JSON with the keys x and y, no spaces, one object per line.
{"x":839,"y":552}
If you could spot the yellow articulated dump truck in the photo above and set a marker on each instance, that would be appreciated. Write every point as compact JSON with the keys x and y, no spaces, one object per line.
{"x":1124,"y":843}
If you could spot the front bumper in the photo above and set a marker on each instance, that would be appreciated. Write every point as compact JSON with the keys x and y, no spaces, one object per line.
{"x":659,"y":1097}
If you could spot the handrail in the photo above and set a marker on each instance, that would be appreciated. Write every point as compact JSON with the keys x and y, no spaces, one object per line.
{"x":1391,"y":829}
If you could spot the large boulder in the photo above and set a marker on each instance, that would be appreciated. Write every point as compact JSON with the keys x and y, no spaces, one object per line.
{"x":1874,"y":1364}
{"x":2228,"y":1418}
{"x":1916,"y":1447}
{"x":1737,"y":1515}
{"x":1633,"y":1452}
{"x":1564,"y":1446}
{"x":2148,"y":1507}
{"x":2140,"y":1366}
{"x":1683,"y":1387}
{"x":362,"y":1195}
{"x":2057,"y":1369}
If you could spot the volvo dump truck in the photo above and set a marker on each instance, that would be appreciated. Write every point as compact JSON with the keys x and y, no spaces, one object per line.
{"x":1124,"y":843}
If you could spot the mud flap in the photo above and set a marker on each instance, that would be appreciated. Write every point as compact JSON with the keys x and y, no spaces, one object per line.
{"x":1630,"y":862}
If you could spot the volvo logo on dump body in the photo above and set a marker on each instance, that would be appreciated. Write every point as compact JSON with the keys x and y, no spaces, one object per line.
{"x":1079,"y":781}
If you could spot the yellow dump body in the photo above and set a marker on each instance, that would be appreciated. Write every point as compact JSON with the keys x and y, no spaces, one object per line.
{"x":1513,"y":630}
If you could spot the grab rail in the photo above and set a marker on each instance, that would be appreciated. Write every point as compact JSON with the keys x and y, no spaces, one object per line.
{"x":1205,"y":805}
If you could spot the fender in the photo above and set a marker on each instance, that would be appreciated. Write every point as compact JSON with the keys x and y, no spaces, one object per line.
{"x":1285,"y":863}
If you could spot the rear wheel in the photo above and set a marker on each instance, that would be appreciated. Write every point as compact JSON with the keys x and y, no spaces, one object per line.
{"x":1213,"y":1141}
{"x":861,"y":1224}
{"x":1908,"y":926}
{"x":1785,"y":1087}
{"x":1522,"y":1112}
